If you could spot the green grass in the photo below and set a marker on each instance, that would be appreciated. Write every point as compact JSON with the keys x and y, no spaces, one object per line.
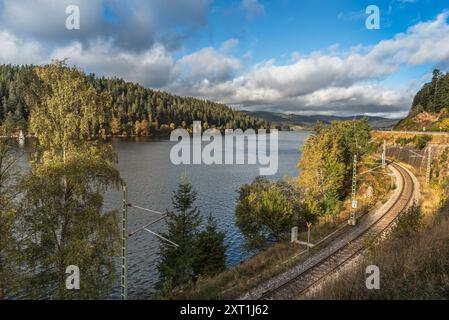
{"x":414,"y":264}
{"x":277,"y":258}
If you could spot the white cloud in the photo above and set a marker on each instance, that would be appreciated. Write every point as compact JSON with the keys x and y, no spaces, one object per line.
{"x":153,"y":67}
{"x":132,"y":25}
{"x":358,"y":95}
{"x":332,"y":79}
{"x":45,"y":19}
{"x":208,"y":66}
{"x":229,"y":44}
{"x":19,"y":51}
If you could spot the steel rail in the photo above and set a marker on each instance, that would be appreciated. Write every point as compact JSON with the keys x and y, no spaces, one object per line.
{"x":301,"y":283}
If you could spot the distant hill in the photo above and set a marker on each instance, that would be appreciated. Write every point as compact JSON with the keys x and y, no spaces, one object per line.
{"x":430,"y":107}
{"x":295,"y":121}
{"x":135,"y":110}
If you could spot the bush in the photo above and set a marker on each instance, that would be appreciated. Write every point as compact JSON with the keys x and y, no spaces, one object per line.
{"x":266,"y":210}
{"x":421,"y":141}
{"x":409,"y":222}
{"x":418,"y":142}
{"x":403,"y":141}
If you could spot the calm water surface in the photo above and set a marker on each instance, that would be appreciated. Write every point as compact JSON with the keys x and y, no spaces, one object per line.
{"x":151,"y":178}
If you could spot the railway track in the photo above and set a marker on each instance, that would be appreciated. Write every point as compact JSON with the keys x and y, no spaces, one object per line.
{"x":300,"y":284}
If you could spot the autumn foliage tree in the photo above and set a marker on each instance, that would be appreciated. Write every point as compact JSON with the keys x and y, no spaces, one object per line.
{"x":267,"y":210}
{"x":60,"y":217}
{"x":327,"y":161}
{"x":9,"y":253}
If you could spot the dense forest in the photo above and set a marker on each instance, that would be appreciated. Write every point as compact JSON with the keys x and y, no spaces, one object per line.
{"x":134,"y":110}
{"x":430,"y":106}
{"x":434,"y":95}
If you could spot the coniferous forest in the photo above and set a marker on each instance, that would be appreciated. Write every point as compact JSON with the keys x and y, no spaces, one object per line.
{"x":434,"y":95}
{"x":430,"y":107}
{"x":133,"y":111}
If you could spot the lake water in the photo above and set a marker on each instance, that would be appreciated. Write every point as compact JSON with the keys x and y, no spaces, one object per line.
{"x":151,"y":178}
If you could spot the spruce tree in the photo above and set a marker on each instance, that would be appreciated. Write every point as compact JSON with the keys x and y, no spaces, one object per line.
{"x":211,"y":258}
{"x":177,"y":264}
{"x":199,"y":252}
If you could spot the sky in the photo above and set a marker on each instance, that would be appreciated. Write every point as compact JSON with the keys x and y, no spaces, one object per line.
{"x":290,"y":56}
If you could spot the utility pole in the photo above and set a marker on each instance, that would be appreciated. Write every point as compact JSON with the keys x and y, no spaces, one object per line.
{"x":429,"y":165}
{"x":124,"y":279}
{"x":352,"y":219}
{"x":384,"y":154}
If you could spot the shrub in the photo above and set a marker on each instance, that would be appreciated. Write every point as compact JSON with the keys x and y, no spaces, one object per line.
{"x":409,"y":222}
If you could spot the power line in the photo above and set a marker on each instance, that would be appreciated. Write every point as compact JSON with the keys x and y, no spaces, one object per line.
{"x":126,"y":235}
{"x":144,"y":209}
{"x":146,"y":226}
{"x":161,"y":237}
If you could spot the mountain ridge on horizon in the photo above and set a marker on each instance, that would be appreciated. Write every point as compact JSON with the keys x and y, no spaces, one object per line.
{"x":290,"y":120}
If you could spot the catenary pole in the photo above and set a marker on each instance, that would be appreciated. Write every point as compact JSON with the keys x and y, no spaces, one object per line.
{"x":352,"y":219}
{"x":124,"y":278}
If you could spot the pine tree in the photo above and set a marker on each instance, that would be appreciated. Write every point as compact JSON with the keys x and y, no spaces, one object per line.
{"x":177,"y":264}
{"x":199,"y":252}
{"x":211,"y":258}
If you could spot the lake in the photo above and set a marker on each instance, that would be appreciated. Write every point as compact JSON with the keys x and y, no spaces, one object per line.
{"x":151,"y":178}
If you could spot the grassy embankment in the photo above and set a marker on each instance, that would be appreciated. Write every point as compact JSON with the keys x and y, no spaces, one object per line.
{"x":392,"y":137}
{"x":414,"y":261}
{"x":281,"y":256}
